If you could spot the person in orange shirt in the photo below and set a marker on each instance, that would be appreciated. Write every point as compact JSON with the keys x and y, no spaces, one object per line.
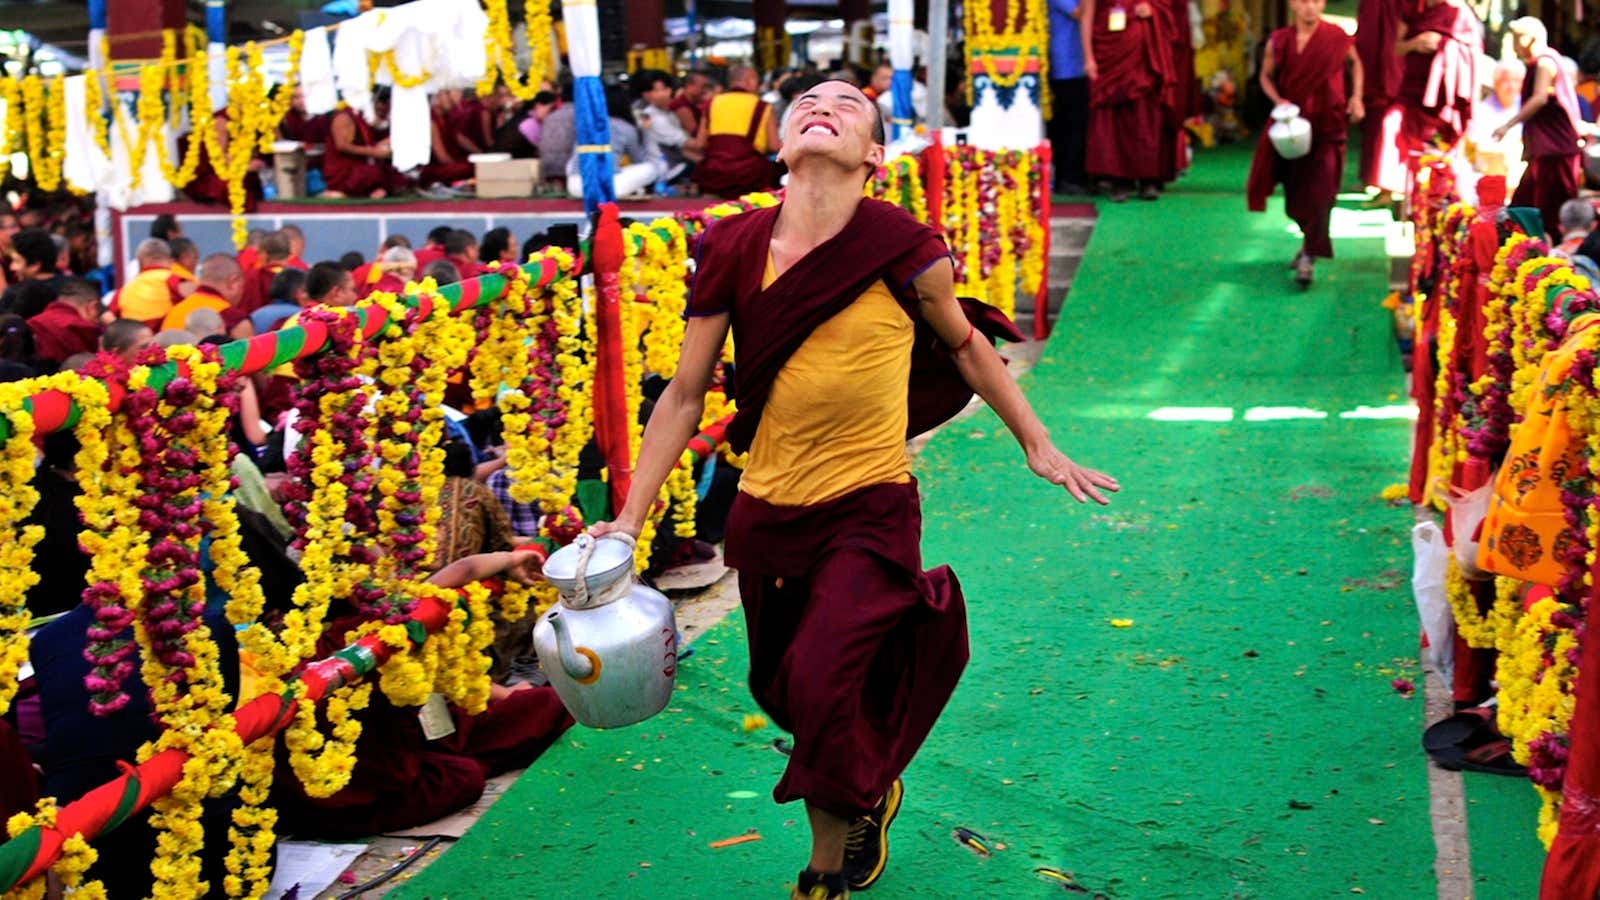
{"x":220,"y":286}
{"x":149,"y":296}
{"x":297,"y":247}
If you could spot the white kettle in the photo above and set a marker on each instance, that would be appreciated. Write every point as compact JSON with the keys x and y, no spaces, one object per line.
{"x":610,"y":644}
{"x":1290,"y":133}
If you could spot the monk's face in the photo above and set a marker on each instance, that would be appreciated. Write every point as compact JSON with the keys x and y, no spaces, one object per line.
{"x":1527,"y":45}
{"x":833,"y":120}
{"x":1309,"y":12}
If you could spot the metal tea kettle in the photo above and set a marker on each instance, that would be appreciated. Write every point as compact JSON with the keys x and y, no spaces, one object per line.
{"x":609,"y":645}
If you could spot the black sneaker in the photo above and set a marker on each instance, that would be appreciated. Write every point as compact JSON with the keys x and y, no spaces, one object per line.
{"x":866,"y":847}
{"x":813,"y":885}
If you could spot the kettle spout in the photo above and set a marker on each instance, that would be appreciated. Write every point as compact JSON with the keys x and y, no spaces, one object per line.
{"x":580,"y":663}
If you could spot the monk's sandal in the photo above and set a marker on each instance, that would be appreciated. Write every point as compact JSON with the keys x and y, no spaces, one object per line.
{"x":866,"y":846}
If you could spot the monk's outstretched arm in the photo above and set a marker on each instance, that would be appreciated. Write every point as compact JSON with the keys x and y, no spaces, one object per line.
{"x":1544,"y":81}
{"x":985,"y":372}
{"x":672,"y":422}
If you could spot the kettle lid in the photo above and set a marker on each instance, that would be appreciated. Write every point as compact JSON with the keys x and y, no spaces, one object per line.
{"x":611,"y":559}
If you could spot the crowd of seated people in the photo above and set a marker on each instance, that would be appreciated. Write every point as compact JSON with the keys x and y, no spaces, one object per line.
{"x":50,"y":744}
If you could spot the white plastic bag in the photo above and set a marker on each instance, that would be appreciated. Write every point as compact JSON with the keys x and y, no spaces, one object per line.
{"x":1432,"y":559}
{"x":1467,"y":512}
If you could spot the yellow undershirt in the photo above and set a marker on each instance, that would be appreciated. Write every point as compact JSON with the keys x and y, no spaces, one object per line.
{"x":730,"y":113}
{"x":835,"y":420}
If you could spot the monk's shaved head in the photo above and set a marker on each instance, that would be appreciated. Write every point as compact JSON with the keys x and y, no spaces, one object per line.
{"x":836,"y":124}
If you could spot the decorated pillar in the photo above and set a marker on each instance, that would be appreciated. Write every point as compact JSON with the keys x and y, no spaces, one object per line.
{"x":857,"y":16}
{"x":902,"y":119}
{"x":134,"y":29}
{"x":1008,"y":51}
{"x":216,"y":52}
{"x":596,"y":163}
{"x":647,"y":35}
{"x":772,"y":39}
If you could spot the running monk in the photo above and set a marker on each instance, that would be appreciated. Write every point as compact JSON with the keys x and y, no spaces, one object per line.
{"x":1305,"y":66}
{"x":834,"y":301}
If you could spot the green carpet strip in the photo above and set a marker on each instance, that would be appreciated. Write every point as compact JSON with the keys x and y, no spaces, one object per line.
{"x":1186,"y":695}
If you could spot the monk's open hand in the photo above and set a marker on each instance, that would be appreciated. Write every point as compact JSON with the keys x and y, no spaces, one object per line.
{"x":1356,"y":109}
{"x":1083,"y":484}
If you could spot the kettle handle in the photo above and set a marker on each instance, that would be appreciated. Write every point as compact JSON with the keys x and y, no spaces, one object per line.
{"x":580,"y":594}
{"x":586,"y":545}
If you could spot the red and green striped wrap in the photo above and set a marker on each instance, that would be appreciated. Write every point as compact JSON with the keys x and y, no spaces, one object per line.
{"x":29,"y":854}
{"x":54,"y":410}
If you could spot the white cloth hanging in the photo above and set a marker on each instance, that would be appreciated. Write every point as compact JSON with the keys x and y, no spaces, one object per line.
{"x":350,"y":70}
{"x":84,"y":165}
{"x":410,"y":130}
{"x":316,"y":73}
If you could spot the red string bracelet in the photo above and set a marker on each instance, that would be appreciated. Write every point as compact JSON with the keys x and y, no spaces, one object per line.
{"x":971,"y":330}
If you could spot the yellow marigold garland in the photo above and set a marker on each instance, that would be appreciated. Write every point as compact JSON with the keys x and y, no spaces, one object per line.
{"x":324,"y":763}
{"x":17,"y":498}
{"x":501,"y":54}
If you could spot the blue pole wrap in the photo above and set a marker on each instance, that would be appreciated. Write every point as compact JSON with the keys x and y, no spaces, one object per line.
{"x":98,"y":15}
{"x":596,"y":162}
{"x":903,"y":117}
{"x":216,"y":22}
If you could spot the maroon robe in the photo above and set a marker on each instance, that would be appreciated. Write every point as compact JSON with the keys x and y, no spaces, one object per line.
{"x":1439,"y":90}
{"x":19,"y":783}
{"x":1131,"y":97}
{"x":853,"y":647}
{"x":1550,"y":145}
{"x":1312,"y":79}
{"x":359,"y":176}
{"x":1377,"y":29}
{"x":312,"y":131}
{"x":60,"y":331}
{"x":446,"y":171}
{"x":1572,"y":868}
{"x":1183,"y":97}
{"x":401,"y":779}
{"x":733,"y":166}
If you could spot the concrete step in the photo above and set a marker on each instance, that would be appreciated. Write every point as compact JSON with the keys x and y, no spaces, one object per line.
{"x":1070,"y":233}
{"x":1063,"y":268}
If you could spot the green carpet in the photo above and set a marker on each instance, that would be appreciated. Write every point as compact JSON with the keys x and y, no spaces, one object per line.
{"x":1507,"y":858}
{"x":1239,"y":739}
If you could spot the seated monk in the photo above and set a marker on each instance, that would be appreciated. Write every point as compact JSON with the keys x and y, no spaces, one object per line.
{"x":207,"y":185}
{"x":148,"y":296}
{"x":357,"y":160}
{"x":736,"y":136}
{"x":401,"y":779}
{"x":389,"y":274}
{"x":450,"y":148}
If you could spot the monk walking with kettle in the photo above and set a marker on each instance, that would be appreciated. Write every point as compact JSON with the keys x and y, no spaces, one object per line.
{"x":834,"y":301}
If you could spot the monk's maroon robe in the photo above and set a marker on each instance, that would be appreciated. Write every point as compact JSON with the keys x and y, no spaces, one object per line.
{"x":1572,"y":868}
{"x":1377,"y":29}
{"x":1183,"y":94}
{"x":401,"y":779}
{"x":1439,"y":90}
{"x":853,"y":647}
{"x":1131,"y":97}
{"x":1550,"y":145}
{"x":1312,"y":78}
